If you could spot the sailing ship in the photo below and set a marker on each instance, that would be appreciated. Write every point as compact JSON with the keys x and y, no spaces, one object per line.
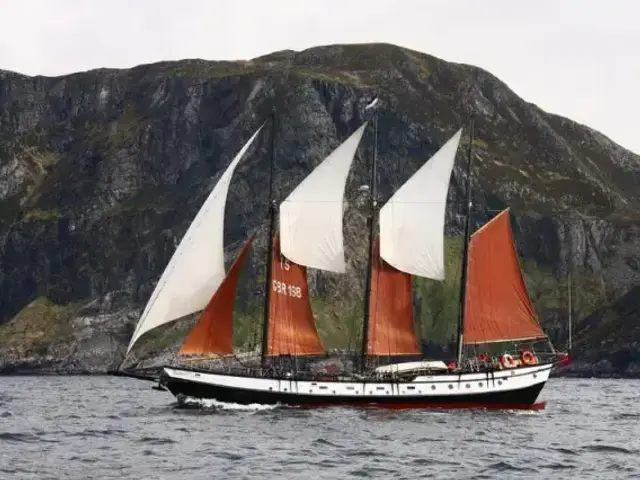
{"x":503,"y":357}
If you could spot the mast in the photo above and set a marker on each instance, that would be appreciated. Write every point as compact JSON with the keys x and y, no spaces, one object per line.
{"x":465,"y":253}
{"x":272,"y":222}
{"x":570,"y":309}
{"x":372,"y":222}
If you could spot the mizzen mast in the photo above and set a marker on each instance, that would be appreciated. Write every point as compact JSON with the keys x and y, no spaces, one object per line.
{"x":465,"y":254}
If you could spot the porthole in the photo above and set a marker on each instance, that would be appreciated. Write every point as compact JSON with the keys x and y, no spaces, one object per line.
{"x":468,"y":386}
{"x":479,"y":384}
{"x":450,"y":387}
{"x":433,"y":387}
{"x":535,"y":375}
{"x":499,"y":382}
{"x":270,"y":388}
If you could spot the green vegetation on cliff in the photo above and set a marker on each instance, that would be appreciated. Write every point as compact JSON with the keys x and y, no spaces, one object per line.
{"x":37,"y":326}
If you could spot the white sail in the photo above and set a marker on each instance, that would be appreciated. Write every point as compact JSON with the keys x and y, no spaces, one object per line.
{"x":412,"y":221}
{"x":311,"y":216}
{"x":196,"y":268}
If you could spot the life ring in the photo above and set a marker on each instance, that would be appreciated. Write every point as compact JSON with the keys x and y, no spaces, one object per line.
{"x":507,"y":361}
{"x":528,"y":358}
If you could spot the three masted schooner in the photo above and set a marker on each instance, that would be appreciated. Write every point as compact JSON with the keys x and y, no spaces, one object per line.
{"x":499,"y":361}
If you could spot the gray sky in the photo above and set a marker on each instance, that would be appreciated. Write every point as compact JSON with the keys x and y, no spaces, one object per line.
{"x":577,"y":58}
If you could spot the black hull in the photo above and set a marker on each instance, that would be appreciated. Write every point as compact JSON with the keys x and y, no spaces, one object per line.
{"x":524,"y":398}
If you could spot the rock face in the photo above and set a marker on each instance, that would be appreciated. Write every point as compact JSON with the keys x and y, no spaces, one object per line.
{"x":101,"y":173}
{"x":608,"y":341}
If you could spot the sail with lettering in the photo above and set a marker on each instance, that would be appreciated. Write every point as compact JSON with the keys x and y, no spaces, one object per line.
{"x":196,"y":268}
{"x":497,"y":306}
{"x":411,"y":243}
{"x":310,"y":236}
{"x":292,"y":328}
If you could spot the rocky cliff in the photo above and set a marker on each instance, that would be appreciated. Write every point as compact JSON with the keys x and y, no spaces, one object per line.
{"x":101,"y":173}
{"x":608,"y":340}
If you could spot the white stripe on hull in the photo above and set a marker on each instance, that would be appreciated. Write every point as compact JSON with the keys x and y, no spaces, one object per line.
{"x":422,"y":386}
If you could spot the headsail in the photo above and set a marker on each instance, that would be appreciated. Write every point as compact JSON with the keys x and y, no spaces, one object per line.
{"x":311,"y":230}
{"x":497,"y":306}
{"x":292,"y":329}
{"x":412,"y":221}
{"x":391,"y":323}
{"x":213,"y":332}
{"x":196,"y":268}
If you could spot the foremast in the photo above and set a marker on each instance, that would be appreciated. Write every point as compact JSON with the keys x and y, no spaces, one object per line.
{"x":272,"y":226}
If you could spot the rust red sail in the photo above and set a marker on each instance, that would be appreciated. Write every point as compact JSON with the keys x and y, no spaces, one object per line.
{"x":497,"y":307}
{"x":292,"y":328}
{"x":213,"y":333}
{"x":391,"y":322}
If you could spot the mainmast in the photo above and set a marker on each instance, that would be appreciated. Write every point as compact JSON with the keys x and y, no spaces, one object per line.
{"x":373,"y":213}
{"x":465,"y":253}
{"x":272,"y":222}
{"x":570,"y":307}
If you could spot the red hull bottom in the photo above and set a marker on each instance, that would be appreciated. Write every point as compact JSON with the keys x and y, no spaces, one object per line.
{"x":441,"y":406}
